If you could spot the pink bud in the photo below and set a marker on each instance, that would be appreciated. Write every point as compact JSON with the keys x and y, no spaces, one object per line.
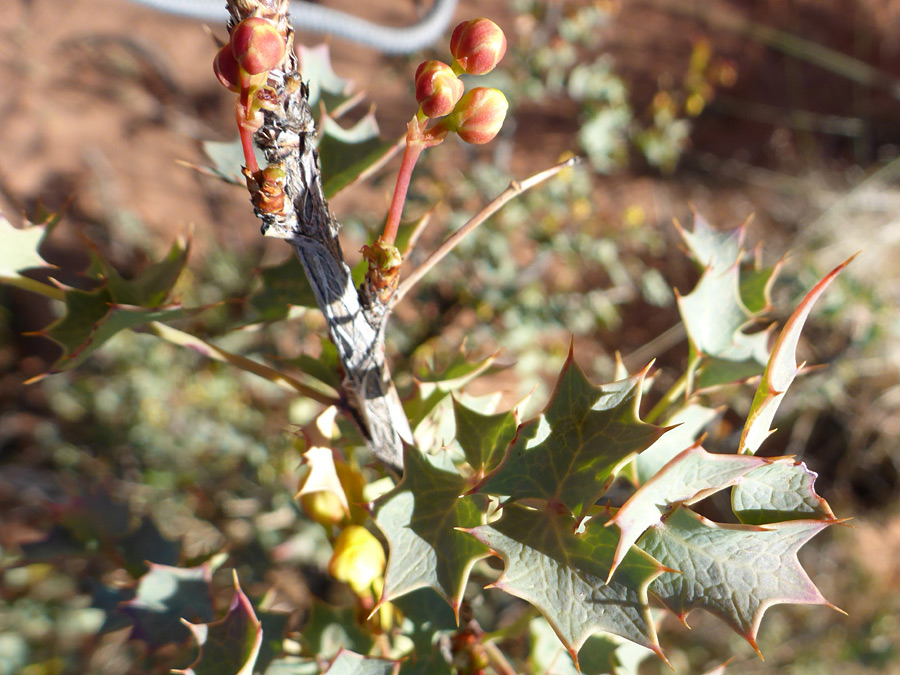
{"x":480,"y":114}
{"x":227,"y":69}
{"x":478,"y":45}
{"x":437,"y":88}
{"x":257,"y":45}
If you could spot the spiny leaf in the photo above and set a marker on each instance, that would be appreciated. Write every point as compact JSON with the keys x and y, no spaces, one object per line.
{"x":315,"y":64}
{"x":564,"y":575}
{"x":347,"y":154}
{"x":483,"y":438}
{"x":427,"y":619}
{"x":231,"y":644}
{"x":419,"y":518}
{"x":152,"y":285}
{"x":736,"y":572}
{"x":21,"y":248}
{"x":781,"y":369}
{"x":147,"y":545}
{"x":684,"y":428}
{"x":330,"y":628}
{"x":165,"y":595}
{"x":92,"y":319}
{"x":689,"y":476}
{"x":570,"y":453}
{"x":710,"y":248}
{"x":283,"y":286}
{"x":730,"y":296}
{"x":777,"y":493}
{"x":351,"y":663}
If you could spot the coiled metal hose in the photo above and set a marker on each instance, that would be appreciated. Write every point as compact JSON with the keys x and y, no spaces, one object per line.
{"x":318,"y":19}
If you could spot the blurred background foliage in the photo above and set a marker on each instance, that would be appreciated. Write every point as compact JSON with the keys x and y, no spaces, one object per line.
{"x":787,"y":110}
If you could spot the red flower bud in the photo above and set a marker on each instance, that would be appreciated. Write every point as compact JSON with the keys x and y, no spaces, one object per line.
{"x":257,"y":45}
{"x":437,"y":88}
{"x":480,"y":114}
{"x":478,"y":45}
{"x":227,"y":69}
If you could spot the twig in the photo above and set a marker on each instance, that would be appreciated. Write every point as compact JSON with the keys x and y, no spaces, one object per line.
{"x":515,"y":188}
{"x":215,"y":353}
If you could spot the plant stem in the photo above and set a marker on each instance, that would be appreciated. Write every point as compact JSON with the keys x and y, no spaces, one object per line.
{"x":667,"y":400}
{"x":515,"y":188}
{"x":410,"y":157}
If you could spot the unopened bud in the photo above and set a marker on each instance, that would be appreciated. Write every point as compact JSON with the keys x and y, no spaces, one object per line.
{"x":257,"y":45}
{"x":478,"y":45}
{"x":227,"y":70}
{"x":438,"y":89}
{"x":358,"y":558}
{"x":480,"y":114}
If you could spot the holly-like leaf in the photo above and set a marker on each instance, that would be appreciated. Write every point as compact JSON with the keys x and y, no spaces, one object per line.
{"x":152,"y":285}
{"x":351,"y":663}
{"x":781,"y":369}
{"x":283,"y":286}
{"x":165,"y":595}
{"x":231,"y":644}
{"x":483,"y":438}
{"x":564,"y":575}
{"x":729,"y":297}
{"x":736,"y":572}
{"x":315,"y":64}
{"x":427,"y":619}
{"x":348,"y":154}
{"x":570,"y":453}
{"x":690,"y":476}
{"x":227,"y":159}
{"x":419,"y":518}
{"x":147,"y":545}
{"x":330,"y":628}
{"x":21,"y":249}
{"x":779,"y":492}
{"x":713,"y":249}
{"x":684,"y":428}
{"x":92,"y":318}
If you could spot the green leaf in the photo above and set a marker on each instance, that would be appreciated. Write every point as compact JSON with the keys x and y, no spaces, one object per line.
{"x":283,"y":286}
{"x":781,"y":369}
{"x":228,"y":160}
{"x":92,"y":319}
{"x":351,"y":663}
{"x":231,"y":644}
{"x":427,"y":618}
{"x":419,"y":518}
{"x":729,"y":298}
{"x":564,"y":575}
{"x":152,"y":285}
{"x":165,"y":595}
{"x":736,"y":572}
{"x":483,"y":438}
{"x":684,"y":428}
{"x":778,"y":492}
{"x":690,"y":476}
{"x":346,"y":154}
{"x":315,"y":64}
{"x":330,"y":628}
{"x":147,"y":545}
{"x":21,"y":248}
{"x":573,"y":450}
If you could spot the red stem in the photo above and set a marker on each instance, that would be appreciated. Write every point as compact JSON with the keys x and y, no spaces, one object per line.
{"x":410,"y":157}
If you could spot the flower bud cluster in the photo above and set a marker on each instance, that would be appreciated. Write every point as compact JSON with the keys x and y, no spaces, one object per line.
{"x":477,"y":47}
{"x":242,"y":65}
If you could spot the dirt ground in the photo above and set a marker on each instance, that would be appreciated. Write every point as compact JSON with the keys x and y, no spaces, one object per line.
{"x":102,"y":136}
